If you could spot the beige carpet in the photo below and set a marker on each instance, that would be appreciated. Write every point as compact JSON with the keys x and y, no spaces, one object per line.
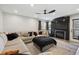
{"x":62,"y":48}
{"x":55,"y":50}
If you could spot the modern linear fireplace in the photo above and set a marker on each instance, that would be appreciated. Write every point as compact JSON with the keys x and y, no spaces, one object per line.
{"x":60,"y":33}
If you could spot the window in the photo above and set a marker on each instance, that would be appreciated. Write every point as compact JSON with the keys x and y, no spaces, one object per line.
{"x":75,"y":28}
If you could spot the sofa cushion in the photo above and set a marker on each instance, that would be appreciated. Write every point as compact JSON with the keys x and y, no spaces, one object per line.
{"x":13,"y":42}
{"x":18,"y":45}
{"x":23,"y":34}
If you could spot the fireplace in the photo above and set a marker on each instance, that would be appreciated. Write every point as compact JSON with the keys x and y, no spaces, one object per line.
{"x":60,"y":27}
{"x":60,"y":33}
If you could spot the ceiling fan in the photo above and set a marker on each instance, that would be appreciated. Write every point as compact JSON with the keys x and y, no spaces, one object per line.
{"x":45,"y":12}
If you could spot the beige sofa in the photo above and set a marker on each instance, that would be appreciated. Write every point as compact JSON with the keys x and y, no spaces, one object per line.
{"x":16,"y":43}
{"x":12,"y":45}
{"x":26,"y":38}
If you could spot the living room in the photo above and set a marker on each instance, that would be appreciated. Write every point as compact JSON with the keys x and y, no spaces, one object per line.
{"x":27,"y":19}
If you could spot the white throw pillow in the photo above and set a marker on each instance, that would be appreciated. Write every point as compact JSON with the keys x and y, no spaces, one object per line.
{"x":3,"y":41}
{"x":77,"y":52}
{"x":1,"y":44}
{"x":4,"y":37}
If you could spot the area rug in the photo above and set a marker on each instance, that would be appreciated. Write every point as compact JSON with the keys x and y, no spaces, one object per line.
{"x":62,"y":48}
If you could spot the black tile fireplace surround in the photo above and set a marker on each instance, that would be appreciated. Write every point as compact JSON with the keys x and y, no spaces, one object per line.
{"x":60,"y":33}
{"x":60,"y":27}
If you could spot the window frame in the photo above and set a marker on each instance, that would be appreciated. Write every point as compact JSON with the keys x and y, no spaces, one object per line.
{"x":74,"y":28}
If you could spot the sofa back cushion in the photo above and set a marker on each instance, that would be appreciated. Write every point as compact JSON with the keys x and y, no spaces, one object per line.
{"x":24,"y":34}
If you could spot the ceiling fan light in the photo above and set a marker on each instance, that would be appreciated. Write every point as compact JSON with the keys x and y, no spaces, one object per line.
{"x":32,"y":5}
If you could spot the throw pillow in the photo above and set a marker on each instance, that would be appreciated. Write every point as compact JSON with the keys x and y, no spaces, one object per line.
{"x":10,"y":52}
{"x":12,"y":36}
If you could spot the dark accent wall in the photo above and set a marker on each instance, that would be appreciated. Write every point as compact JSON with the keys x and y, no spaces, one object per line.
{"x":39,"y":25}
{"x":47,"y":25}
{"x":61,"y":23}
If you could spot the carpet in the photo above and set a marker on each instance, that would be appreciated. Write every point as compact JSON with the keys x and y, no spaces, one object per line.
{"x":63,"y":48}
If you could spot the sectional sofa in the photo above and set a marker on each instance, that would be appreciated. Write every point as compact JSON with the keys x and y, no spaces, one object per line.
{"x":13,"y":44}
{"x":16,"y":43}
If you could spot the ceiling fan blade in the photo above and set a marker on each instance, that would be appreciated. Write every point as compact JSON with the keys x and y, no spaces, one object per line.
{"x":52,"y":11}
{"x":38,"y":13}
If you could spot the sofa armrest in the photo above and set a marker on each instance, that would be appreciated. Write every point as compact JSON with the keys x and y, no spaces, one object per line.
{"x":27,"y":39}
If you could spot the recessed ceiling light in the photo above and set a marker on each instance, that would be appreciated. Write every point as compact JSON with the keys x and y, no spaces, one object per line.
{"x":78,"y":9}
{"x":15,"y":11}
{"x":31,"y":5}
{"x":35,"y":16}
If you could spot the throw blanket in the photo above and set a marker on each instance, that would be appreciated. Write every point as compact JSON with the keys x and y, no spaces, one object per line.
{"x":43,"y":41}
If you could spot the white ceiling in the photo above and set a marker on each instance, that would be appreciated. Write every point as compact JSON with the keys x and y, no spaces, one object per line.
{"x":27,"y":10}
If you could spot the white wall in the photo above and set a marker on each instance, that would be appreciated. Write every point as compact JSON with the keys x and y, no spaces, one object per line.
{"x":15,"y":23}
{"x":76,"y":16}
{"x":1,"y":22}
